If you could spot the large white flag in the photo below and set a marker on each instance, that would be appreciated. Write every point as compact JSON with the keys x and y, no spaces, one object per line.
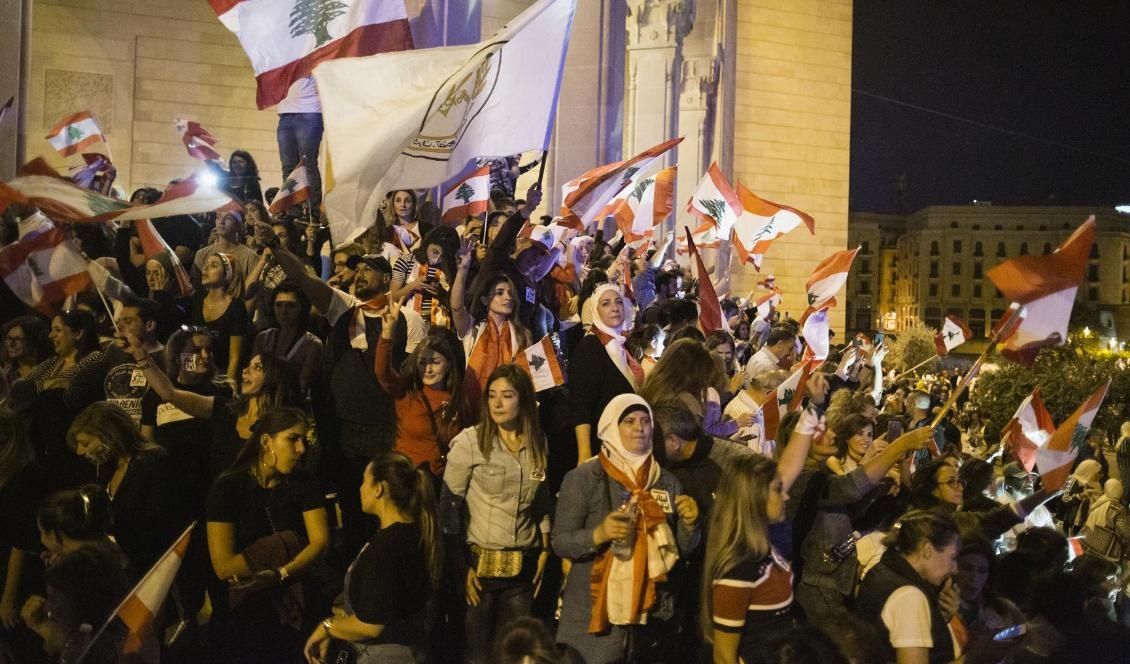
{"x":450,"y":106}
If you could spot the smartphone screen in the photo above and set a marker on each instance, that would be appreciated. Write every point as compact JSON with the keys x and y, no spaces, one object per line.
{"x":1011,"y":632}
{"x":894,"y":430}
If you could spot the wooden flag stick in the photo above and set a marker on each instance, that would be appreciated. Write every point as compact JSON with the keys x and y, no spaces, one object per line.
{"x":920,"y":364}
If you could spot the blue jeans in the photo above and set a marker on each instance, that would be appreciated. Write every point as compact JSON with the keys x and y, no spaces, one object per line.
{"x":300,"y":135}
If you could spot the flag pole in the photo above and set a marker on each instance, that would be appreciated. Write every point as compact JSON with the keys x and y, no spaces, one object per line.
{"x":541,"y":166}
{"x":132,"y":592}
{"x":922,"y":363}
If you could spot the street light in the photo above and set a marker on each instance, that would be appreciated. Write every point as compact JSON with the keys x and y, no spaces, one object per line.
{"x":1123,"y":208}
{"x":1086,"y":332}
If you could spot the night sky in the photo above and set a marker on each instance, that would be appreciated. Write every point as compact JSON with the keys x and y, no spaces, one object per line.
{"x":1056,"y":71}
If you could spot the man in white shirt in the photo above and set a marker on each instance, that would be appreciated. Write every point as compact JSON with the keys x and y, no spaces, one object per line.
{"x":782,"y":338}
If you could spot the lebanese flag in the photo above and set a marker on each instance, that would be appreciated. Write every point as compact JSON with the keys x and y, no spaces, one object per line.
{"x":760,"y":223}
{"x":75,"y":133}
{"x":827,"y":279}
{"x":284,"y":46}
{"x":715,"y":199}
{"x":41,"y":186}
{"x":766,"y":302}
{"x":585,"y":196}
{"x":43,"y":267}
{"x":139,"y":609}
{"x":196,"y":140}
{"x":816,"y":334}
{"x":153,"y":245}
{"x":954,"y":333}
{"x":467,"y":197}
{"x":709,"y":310}
{"x":643,"y":204}
{"x":705,"y":237}
{"x":1029,"y":429}
{"x":1055,"y":459}
{"x":540,"y":361}
{"x":786,"y":398}
{"x":295,"y":190}
{"x":1044,"y":287}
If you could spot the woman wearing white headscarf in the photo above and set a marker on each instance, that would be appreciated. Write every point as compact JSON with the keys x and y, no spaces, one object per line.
{"x":600,"y":367}
{"x":623,"y":522}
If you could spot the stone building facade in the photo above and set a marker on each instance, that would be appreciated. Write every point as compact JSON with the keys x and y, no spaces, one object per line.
{"x":932,"y":263}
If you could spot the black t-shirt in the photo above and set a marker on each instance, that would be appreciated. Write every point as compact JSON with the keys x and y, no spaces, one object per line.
{"x":237,"y":498}
{"x":388,"y":583}
{"x":233,"y":323}
{"x":185,"y":439}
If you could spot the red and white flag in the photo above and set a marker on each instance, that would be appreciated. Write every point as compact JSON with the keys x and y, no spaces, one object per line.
{"x":786,"y":398}
{"x":196,"y":140}
{"x":815,"y":334}
{"x":1029,"y":429}
{"x":643,"y":204}
{"x":284,"y":46}
{"x":709,"y":310}
{"x":954,"y":332}
{"x":1044,"y":287}
{"x":43,"y":267}
{"x":75,"y":134}
{"x":153,"y":245}
{"x":766,"y":302}
{"x":540,"y":361}
{"x":467,"y":197}
{"x":58,"y":197}
{"x":1055,"y":459}
{"x":827,"y":280}
{"x":295,"y":190}
{"x":761,"y":222}
{"x":584,"y":197}
{"x":716,"y":200}
{"x":139,"y":609}
{"x":705,"y":236}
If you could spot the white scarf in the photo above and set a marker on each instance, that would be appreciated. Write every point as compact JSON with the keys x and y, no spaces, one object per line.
{"x":615,"y":345}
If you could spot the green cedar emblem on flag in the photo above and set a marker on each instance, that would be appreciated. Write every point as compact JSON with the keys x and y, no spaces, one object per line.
{"x":714,"y":207}
{"x":537,"y":362}
{"x":290,"y":185}
{"x":74,"y":134}
{"x":465,"y":193}
{"x":310,"y":17}
{"x":101,"y":204}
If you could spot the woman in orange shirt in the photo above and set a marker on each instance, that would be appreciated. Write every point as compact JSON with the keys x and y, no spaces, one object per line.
{"x":428,"y":394}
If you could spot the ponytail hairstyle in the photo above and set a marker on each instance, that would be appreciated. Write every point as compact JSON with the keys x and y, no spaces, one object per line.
{"x":917,"y":527}
{"x":529,"y":425}
{"x":80,"y":514}
{"x":410,"y":490}
{"x":739,"y":525}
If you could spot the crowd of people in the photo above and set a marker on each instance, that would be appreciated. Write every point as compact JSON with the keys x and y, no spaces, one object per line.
{"x":375,"y":478}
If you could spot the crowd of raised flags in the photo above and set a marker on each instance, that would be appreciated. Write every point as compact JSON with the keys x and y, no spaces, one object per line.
{"x":456,"y":104}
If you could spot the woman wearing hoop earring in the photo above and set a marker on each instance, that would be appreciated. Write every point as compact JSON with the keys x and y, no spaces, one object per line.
{"x":267,"y":526}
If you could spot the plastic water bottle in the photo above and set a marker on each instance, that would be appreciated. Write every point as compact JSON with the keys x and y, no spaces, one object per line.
{"x":622,"y":548}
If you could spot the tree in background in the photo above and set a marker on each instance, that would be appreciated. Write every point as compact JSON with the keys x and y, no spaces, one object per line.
{"x":913,"y":345}
{"x":1066,"y":376}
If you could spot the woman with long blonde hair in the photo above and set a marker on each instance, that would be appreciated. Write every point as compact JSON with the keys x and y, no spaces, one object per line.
{"x":747,"y":594}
